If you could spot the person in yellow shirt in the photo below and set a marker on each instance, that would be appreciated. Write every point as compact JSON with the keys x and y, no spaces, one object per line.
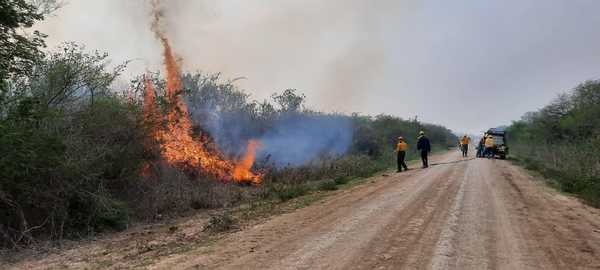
{"x":489,"y":146}
{"x":401,"y":148}
{"x":464,"y":145}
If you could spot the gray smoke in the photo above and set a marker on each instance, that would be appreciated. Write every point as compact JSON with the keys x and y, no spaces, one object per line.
{"x":297,"y":139}
{"x":292,"y":139}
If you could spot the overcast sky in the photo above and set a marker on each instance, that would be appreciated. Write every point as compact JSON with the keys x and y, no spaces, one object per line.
{"x":468,"y":65}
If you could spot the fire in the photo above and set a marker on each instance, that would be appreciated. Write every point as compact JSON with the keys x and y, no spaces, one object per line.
{"x":149,"y":101}
{"x":177,"y":145}
{"x":242,"y":169}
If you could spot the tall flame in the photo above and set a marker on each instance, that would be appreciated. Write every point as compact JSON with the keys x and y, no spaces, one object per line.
{"x":177,"y":145}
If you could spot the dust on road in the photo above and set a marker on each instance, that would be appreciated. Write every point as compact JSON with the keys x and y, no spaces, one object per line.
{"x":459,"y":214}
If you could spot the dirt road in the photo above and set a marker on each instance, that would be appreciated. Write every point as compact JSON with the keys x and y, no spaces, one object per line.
{"x":458,"y":214}
{"x":473,"y":214}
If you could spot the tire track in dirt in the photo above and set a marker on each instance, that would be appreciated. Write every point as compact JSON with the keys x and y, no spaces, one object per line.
{"x":560,"y":228}
{"x":396,"y":243}
{"x":345,"y":237}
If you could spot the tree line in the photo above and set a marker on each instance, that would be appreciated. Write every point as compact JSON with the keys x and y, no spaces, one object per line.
{"x":562,"y":140}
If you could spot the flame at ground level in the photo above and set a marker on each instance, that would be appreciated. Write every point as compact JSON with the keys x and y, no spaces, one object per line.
{"x":243,"y":168}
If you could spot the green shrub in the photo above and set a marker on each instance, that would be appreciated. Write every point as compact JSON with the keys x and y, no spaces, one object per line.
{"x":342,"y":180}
{"x":592,"y":192}
{"x":287,"y":191}
{"x":328,"y":185}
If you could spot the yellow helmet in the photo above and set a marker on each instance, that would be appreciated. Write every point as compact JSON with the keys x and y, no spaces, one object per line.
{"x":421,"y":132}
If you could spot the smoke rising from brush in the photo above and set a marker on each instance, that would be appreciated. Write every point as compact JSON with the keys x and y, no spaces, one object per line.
{"x":288,"y":136}
{"x":291,"y":139}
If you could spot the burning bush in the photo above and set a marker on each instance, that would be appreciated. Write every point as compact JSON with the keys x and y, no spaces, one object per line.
{"x":177,"y":146}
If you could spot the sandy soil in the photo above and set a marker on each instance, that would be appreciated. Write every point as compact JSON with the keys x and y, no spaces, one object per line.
{"x":458,"y":214}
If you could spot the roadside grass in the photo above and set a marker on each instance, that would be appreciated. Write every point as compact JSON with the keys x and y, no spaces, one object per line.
{"x":277,"y":198}
{"x":221,"y":222}
{"x":328,"y":185}
{"x":588,"y":189}
{"x":286,"y":192}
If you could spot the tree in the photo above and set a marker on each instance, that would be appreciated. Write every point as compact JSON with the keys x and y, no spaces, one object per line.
{"x":289,"y":101}
{"x":18,"y":51}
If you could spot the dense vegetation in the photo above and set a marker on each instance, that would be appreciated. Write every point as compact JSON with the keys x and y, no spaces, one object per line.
{"x":73,"y":147}
{"x":562,"y":140}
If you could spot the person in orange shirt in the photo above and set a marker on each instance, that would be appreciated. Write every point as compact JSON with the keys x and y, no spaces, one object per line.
{"x":464,"y":145}
{"x":490,"y":147}
{"x":401,"y":148}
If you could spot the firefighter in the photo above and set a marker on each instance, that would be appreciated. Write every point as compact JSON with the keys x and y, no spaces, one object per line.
{"x":489,"y":146}
{"x":401,"y":148}
{"x":464,"y":145}
{"x":424,"y":147}
{"x":481,"y":146}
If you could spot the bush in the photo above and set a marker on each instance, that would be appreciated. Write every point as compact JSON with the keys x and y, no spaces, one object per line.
{"x":341,"y":180}
{"x":328,"y":185}
{"x":287,"y":192}
{"x":66,"y":155}
{"x":592,"y":192}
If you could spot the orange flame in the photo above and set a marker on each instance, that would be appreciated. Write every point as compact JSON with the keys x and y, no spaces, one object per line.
{"x":149,"y":100}
{"x":177,"y":146}
{"x":242,"y":169}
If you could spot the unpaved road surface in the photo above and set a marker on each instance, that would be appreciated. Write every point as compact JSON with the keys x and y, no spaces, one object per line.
{"x":458,"y":214}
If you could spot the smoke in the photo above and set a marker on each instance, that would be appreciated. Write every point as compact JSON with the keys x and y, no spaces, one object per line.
{"x":286,"y":138}
{"x":291,"y":138}
{"x":325,"y":48}
{"x":297,"y":139}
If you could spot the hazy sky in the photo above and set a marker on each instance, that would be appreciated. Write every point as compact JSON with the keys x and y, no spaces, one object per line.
{"x":468,"y":65}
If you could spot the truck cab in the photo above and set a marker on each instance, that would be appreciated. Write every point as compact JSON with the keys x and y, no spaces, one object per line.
{"x":499,"y":135}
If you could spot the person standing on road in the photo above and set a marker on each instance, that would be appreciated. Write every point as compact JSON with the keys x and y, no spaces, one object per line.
{"x":481,"y":146}
{"x":424,"y":146}
{"x":401,"y":148}
{"x":464,"y":145}
{"x":489,"y":146}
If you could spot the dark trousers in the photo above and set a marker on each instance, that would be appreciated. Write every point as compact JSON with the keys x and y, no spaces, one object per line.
{"x":465,"y":149}
{"x":425,"y":159}
{"x":480,"y":150}
{"x":401,"y":163}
